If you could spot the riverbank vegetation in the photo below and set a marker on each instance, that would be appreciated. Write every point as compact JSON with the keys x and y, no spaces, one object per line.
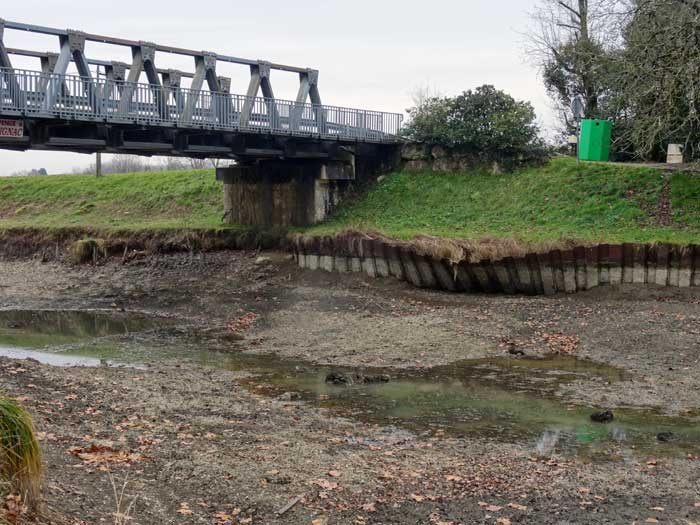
{"x":555,"y":202}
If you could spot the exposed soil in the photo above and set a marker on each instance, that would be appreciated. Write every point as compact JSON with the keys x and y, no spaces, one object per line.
{"x":195,"y":445}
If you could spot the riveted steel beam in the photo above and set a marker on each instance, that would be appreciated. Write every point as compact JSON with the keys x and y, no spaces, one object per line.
{"x":131,"y":43}
{"x":172,"y":79}
{"x":8,"y":77}
{"x":205,"y":69}
{"x":260,"y":79}
{"x":308,"y":88}
{"x":91,"y":61}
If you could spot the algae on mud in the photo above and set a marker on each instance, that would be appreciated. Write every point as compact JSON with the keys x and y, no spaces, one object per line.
{"x":514,"y":400}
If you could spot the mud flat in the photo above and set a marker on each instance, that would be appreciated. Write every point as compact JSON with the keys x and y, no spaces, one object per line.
{"x":200,"y":387}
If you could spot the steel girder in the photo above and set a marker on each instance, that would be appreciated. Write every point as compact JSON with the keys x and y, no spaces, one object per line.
{"x":72,"y":48}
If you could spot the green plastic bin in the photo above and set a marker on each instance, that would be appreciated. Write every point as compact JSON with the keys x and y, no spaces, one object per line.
{"x":595,"y":140}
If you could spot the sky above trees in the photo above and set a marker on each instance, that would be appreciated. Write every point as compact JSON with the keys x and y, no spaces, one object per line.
{"x":370,"y":54}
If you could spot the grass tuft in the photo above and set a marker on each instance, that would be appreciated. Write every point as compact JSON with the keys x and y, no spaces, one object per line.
{"x":20,"y":455}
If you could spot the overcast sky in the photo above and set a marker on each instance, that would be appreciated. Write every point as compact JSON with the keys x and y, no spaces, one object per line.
{"x":371,"y":54}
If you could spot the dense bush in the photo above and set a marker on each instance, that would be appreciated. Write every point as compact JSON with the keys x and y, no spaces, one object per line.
{"x":485,"y":122}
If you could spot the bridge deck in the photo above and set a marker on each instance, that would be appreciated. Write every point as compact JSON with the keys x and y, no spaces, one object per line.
{"x":40,"y":95}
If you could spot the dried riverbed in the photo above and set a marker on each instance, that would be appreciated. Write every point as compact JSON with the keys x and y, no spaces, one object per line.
{"x":222,"y":415}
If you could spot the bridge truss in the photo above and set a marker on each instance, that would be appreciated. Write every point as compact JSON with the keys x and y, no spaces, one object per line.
{"x":114,"y":112}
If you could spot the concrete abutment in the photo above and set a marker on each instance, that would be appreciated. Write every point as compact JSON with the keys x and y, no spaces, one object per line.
{"x":300,"y":192}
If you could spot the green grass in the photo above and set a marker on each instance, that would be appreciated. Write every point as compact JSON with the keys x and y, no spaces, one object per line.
{"x":155,"y":200}
{"x":560,"y":201}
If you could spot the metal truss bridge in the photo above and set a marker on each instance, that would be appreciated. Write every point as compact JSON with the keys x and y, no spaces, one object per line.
{"x":104,"y":107}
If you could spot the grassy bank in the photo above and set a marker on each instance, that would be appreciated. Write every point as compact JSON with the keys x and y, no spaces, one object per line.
{"x":560,"y":201}
{"x":136,"y":201}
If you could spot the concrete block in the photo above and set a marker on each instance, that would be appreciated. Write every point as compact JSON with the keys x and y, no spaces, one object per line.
{"x":592,"y":269}
{"x":503,"y":277}
{"x":628,"y":263}
{"x":355,"y":264}
{"x":382,"y":267}
{"x":695,"y":280}
{"x":369,"y":267}
{"x":340,"y":264}
{"x":580,"y":262}
{"x":557,"y":270}
{"x":313,"y":262}
{"x":650,"y":264}
{"x":394,"y":262}
{"x":569,"y":269}
{"x":615,"y":264}
{"x":685,"y":269}
{"x":639,"y":273}
{"x":410,"y":268}
{"x":443,"y":274}
{"x":533,"y":265}
{"x":380,"y":262}
{"x":662,"y":259}
{"x":465,"y":281}
{"x":425,"y":269}
{"x":326,"y":263}
{"x":604,"y":264}
{"x":301,"y":260}
{"x":549,"y":285}
{"x":482,"y":278}
{"x":674,"y":262}
{"x":523,"y":277}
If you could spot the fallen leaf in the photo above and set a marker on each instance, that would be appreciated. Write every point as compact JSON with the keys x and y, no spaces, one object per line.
{"x":334,"y":473}
{"x":369,"y":507}
{"x":221,"y":518}
{"x":324,"y":484}
{"x":98,"y":454}
{"x":651,"y":520}
{"x":494,"y":508}
{"x":517,"y":506}
{"x":503,"y":521}
{"x":659,"y":509}
{"x":417,"y":497}
{"x":184,"y":509}
{"x":452,"y":477}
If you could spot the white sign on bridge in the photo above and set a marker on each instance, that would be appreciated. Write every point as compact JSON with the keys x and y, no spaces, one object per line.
{"x":11,"y":128}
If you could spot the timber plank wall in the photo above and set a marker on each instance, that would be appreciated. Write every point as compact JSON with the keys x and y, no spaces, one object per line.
{"x":551,"y":272}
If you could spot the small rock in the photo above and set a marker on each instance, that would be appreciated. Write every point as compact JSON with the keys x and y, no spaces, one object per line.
{"x":666,"y":437}
{"x":289,"y":396}
{"x":602,"y":417}
{"x":339,"y":378}
{"x":514,"y":350}
{"x":262,"y":260}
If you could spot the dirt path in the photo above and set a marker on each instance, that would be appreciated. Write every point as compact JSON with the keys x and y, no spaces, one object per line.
{"x":193,"y":445}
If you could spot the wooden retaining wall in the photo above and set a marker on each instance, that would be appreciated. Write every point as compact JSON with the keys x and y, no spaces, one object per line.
{"x":568,"y":271}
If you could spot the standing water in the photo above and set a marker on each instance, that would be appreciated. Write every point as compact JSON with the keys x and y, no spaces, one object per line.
{"x":508,"y":399}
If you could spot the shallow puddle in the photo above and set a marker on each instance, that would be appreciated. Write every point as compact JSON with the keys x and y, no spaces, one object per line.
{"x":509,"y":399}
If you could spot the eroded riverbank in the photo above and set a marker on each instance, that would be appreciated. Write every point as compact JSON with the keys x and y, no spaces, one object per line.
{"x":223,"y":440}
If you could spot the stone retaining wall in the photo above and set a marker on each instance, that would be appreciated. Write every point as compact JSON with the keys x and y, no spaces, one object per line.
{"x":568,"y":271}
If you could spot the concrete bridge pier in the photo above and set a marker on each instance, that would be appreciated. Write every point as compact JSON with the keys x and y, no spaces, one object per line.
{"x":295,"y":192}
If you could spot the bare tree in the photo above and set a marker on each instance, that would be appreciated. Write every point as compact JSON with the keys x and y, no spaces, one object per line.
{"x":571,"y":42}
{"x":658,"y":76}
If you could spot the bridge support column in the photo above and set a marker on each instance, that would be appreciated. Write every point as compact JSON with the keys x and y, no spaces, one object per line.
{"x":284,"y":193}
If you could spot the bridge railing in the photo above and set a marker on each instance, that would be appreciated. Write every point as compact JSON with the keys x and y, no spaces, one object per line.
{"x":69,"y":97}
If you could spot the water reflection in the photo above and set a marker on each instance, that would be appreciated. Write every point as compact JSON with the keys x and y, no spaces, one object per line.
{"x":512,"y":400}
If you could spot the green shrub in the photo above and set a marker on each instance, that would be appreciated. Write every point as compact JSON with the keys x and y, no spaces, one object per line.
{"x":486,"y":122}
